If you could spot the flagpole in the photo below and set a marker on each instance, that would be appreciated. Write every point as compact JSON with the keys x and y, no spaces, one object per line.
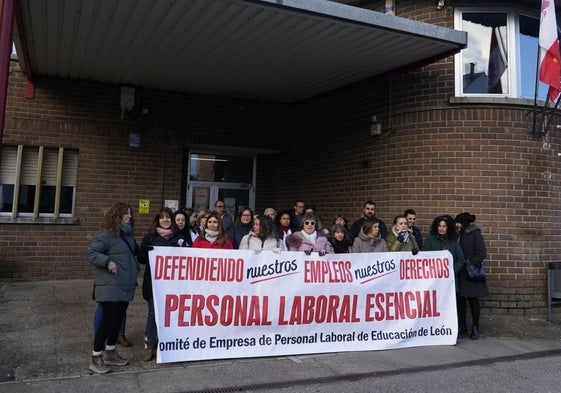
{"x":536,"y":90}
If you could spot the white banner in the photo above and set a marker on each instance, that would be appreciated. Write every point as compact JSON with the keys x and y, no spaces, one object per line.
{"x":213,"y":304}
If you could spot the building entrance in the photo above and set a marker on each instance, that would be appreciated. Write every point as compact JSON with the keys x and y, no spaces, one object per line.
{"x":218,"y":176}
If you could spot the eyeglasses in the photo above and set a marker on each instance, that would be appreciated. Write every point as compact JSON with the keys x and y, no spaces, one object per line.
{"x":309,"y":223}
{"x":220,"y":206}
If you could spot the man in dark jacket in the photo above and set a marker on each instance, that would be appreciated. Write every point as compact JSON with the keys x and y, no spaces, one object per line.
{"x":296,"y":216}
{"x":368,"y":213}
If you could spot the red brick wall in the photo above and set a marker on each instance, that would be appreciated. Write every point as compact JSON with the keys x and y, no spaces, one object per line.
{"x":87,"y":116}
{"x":433,"y":156}
{"x":437,"y":157}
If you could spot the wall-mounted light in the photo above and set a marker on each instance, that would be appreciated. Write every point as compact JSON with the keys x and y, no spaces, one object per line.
{"x":440,"y":5}
{"x":375,"y":126}
{"x":127,"y":99}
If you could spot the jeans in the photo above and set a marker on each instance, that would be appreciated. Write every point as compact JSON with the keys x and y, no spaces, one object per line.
{"x":111,"y":319}
{"x":98,"y":316}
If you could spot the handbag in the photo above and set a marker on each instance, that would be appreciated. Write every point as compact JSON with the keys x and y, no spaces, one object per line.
{"x":475,"y":271}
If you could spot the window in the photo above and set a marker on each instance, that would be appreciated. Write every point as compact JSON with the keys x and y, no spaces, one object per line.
{"x":501,"y":56}
{"x":37,"y":181}
{"x":220,"y":168}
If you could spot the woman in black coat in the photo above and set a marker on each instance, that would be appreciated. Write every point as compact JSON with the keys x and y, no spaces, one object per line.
{"x":163,"y":232}
{"x":475,"y":252}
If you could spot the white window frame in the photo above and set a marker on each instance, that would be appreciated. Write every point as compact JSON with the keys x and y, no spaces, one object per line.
{"x":513,"y":50}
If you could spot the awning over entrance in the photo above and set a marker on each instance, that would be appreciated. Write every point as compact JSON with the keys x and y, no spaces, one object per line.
{"x":278,"y":51}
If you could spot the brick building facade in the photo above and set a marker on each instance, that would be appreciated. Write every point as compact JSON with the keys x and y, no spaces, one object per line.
{"x":437,"y":153}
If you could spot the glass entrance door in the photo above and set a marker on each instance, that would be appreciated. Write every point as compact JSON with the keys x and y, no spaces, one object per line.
{"x":213,"y":177}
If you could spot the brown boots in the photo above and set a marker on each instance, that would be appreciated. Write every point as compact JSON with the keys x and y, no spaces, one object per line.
{"x":149,"y":350}
{"x":97,"y":365}
{"x":122,"y":340}
{"x":109,"y":357}
{"x":112,"y":358}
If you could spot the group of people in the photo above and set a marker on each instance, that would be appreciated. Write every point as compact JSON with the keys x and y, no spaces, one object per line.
{"x":117,"y":257}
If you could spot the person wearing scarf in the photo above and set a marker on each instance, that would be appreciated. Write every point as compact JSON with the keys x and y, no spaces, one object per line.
{"x":213,"y":234}
{"x":283,"y":224}
{"x":340,"y":239}
{"x":399,"y":238}
{"x":163,"y":232}
{"x":369,"y":238}
{"x":309,"y":239}
{"x":112,"y":254}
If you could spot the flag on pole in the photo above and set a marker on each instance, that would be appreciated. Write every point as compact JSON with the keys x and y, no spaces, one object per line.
{"x":496,"y":67}
{"x":550,"y":60}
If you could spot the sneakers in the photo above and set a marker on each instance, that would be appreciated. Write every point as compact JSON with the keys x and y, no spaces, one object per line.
{"x":112,"y":358}
{"x":122,"y":340}
{"x":97,"y":365}
{"x":149,"y":350}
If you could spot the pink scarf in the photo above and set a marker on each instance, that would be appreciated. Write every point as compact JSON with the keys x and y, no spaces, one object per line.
{"x":165,"y":233}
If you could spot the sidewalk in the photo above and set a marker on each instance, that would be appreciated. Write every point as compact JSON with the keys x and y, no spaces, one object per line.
{"x":46,"y":338}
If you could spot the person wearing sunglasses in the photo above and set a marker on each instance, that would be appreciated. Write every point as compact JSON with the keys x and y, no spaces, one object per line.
{"x":309,"y":239}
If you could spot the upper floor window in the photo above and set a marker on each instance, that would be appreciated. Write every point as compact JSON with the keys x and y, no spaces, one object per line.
{"x":36,"y":181}
{"x":501,"y":55}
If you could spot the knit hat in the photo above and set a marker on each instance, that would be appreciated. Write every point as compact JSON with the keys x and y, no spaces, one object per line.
{"x":465,"y":219}
{"x":270,"y":210}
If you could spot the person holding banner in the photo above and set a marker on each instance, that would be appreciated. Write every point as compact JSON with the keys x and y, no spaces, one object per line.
{"x":264,"y":236}
{"x":112,"y":253}
{"x":399,"y":238}
{"x":213,"y":234}
{"x":369,"y":238}
{"x":443,"y":236}
{"x":475,"y":252}
{"x":309,"y":239}
{"x":163,"y":232}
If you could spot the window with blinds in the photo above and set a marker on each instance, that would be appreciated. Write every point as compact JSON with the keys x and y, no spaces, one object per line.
{"x":37,"y":181}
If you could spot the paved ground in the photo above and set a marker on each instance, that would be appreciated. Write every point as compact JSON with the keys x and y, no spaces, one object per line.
{"x":46,"y":338}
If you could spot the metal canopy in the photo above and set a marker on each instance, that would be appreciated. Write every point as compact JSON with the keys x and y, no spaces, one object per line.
{"x":269,"y":50}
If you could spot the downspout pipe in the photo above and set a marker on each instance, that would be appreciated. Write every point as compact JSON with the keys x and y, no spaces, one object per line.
{"x":6,"y":29}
